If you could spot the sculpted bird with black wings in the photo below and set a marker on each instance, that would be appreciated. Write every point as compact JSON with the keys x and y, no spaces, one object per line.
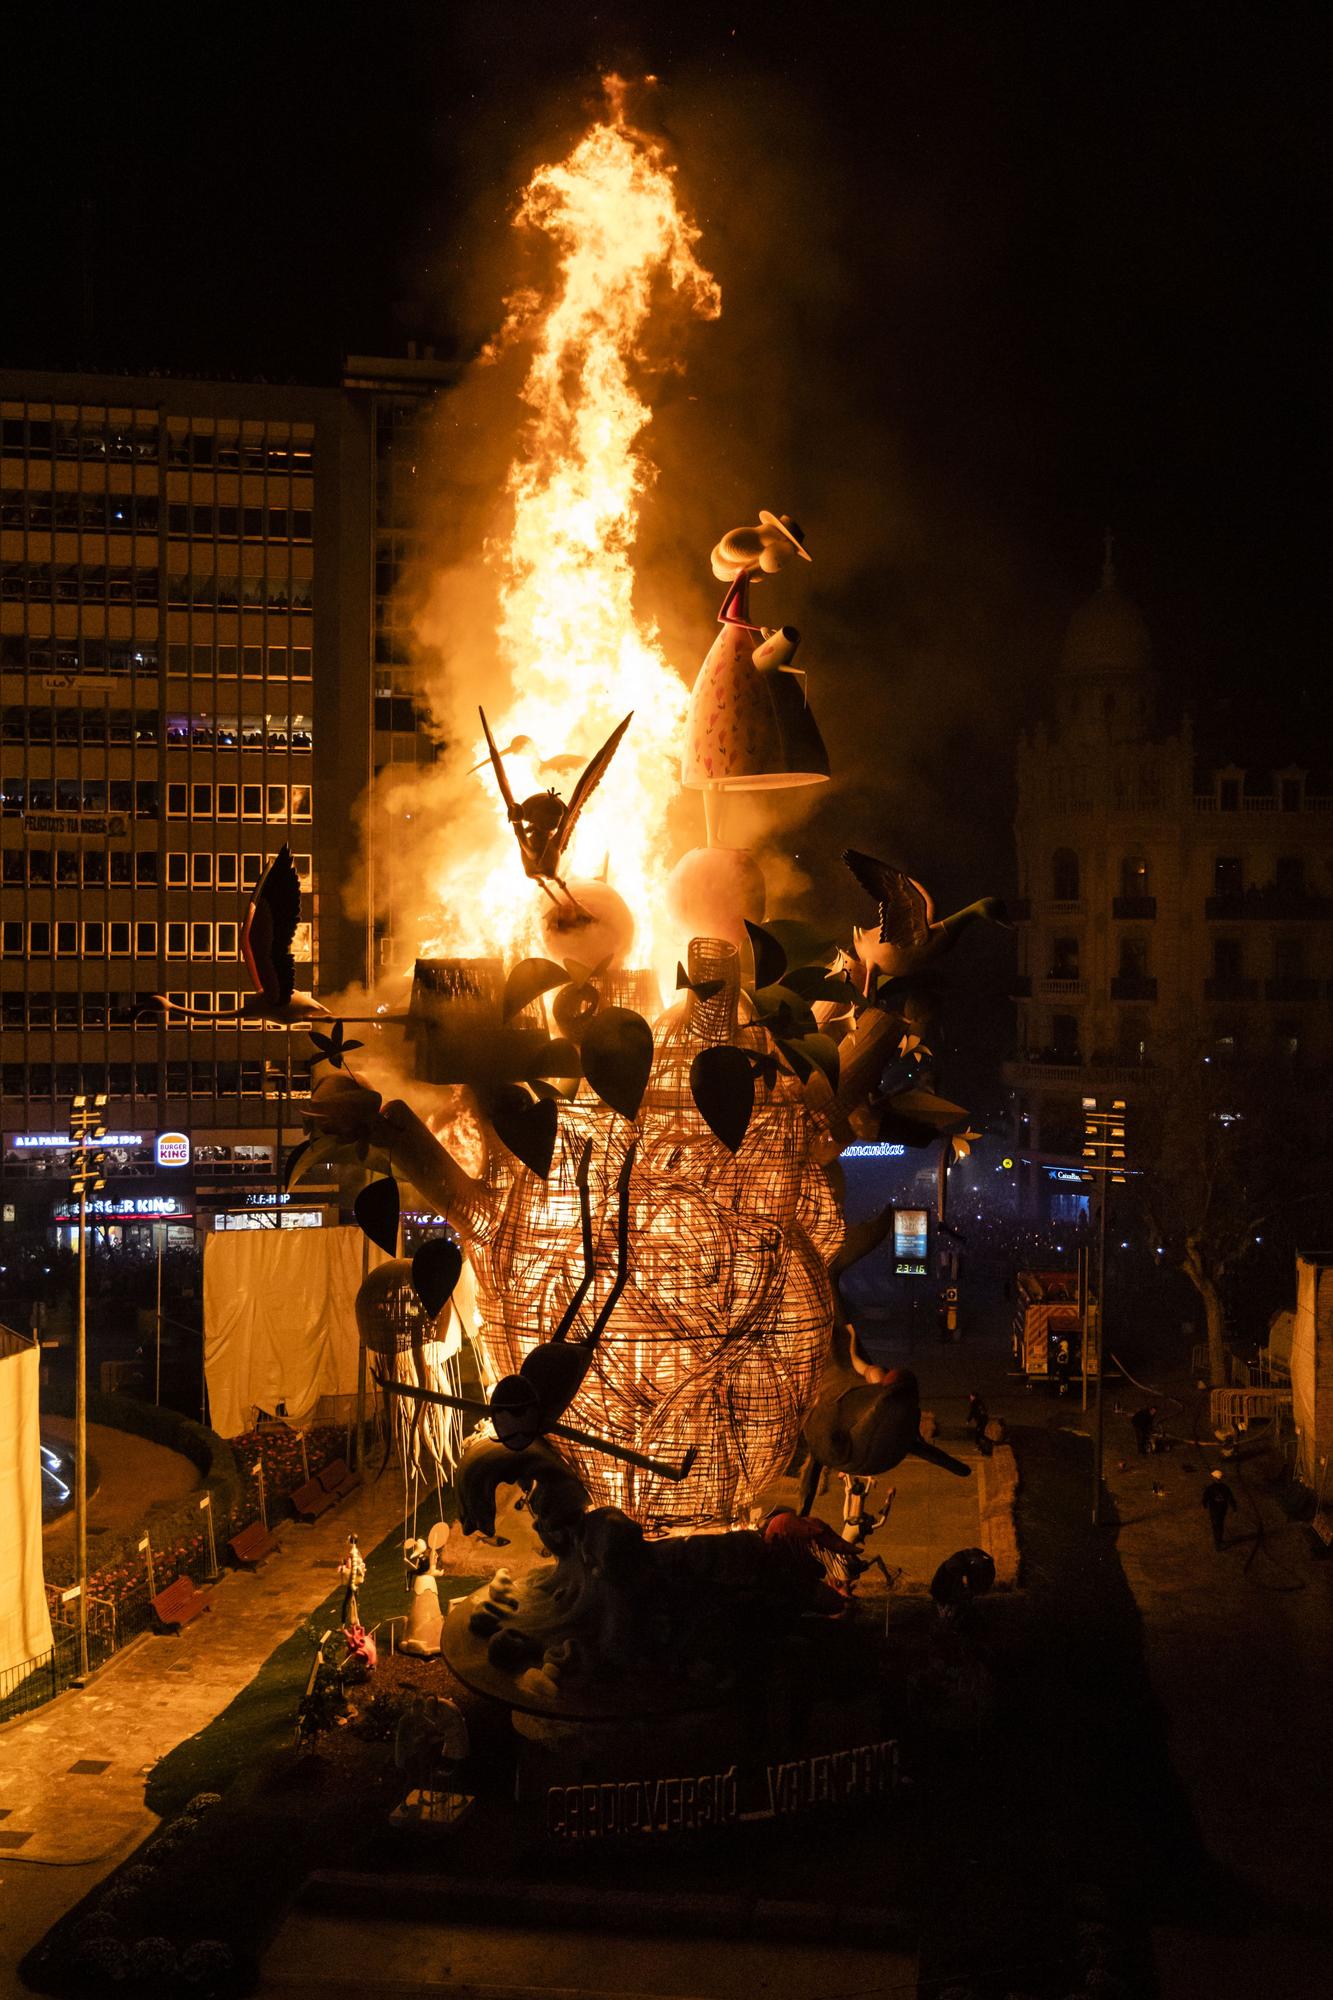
{"x":543,"y":824}
{"x":909,"y":936}
{"x":266,"y":946}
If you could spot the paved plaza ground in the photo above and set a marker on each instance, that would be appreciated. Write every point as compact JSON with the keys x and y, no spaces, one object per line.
{"x":1163,"y":1734}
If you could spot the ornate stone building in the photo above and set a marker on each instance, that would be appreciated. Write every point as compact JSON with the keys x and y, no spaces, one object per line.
{"x":1164,"y":896}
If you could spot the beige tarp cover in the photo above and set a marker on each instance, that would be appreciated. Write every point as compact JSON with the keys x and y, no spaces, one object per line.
{"x":1303,"y":1370}
{"x":25,"y":1623}
{"x":279,"y":1321}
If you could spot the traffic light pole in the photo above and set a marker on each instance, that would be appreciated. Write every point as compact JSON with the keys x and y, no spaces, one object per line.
{"x":1099,"y":1406}
{"x":81,"y":1437}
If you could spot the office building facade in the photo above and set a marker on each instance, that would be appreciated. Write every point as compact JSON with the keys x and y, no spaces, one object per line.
{"x":193,"y":587}
{"x":1166,"y":899}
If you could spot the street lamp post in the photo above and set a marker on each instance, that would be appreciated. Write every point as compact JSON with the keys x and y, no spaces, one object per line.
{"x":86,"y":1127}
{"x":1103,"y":1159}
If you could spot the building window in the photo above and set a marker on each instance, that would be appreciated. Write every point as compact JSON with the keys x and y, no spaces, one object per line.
{"x":301,"y":803}
{"x":1228,"y":959}
{"x":1289,"y":958}
{"x":1064,"y":1037}
{"x":201,"y":941}
{"x":1228,"y":795}
{"x":1228,"y":875}
{"x":228,"y":871}
{"x":1290,"y":875}
{"x":201,"y":871}
{"x":302,"y":663}
{"x":39,"y":939}
{"x":1292,"y":789}
{"x":11,"y":939}
{"x":1134,"y":877}
{"x":275,"y":803}
{"x":1133,"y":958}
{"x":1064,"y":958}
{"x":145,"y":938}
{"x":119,"y":935}
{"x":228,"y":940}
{"x":201,"y":802}
{"x":94,"y":940}
{"x":227,"y":798}
{"x":252,"y":802}
{"x":178,"y":801}
{"x":178,"y":935}
{"x":178,"y":870}
{"x":1064,"y":875}
{"x":252,"y":867}
{"x":145,"y":867}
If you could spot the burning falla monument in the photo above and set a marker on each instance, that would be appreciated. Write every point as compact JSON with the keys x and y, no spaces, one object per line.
{"x":642,"y":1199}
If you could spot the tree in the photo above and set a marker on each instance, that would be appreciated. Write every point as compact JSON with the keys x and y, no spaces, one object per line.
{"x":1227,"y":1148}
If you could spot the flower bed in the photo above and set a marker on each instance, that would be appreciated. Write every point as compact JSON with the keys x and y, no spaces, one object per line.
{"x":177,"y":1528}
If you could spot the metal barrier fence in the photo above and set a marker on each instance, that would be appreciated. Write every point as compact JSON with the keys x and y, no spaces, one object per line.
{"x":38,"y":1680}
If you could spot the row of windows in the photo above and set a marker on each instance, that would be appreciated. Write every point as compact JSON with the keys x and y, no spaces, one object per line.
{"x":45,"y":1011}
{"x":197,"y":870}
{"x":1228,"y":1039}
{"x":98,"y":867}
{"x":1289,"y":958}
{"x":90,"y":724}
{"x":233,"y":524}
{"x":85,"y":583}
{"x":72,"y":583}
{"x":183,"y":1079}
{"x":103,"y":726}
{"x":67,"y":867}
{"x":276,"y":804}
{"x":137,"y":798}
{"x":118,"y":657}
{"x":232,"y":592}
{"x":86,"y":438}
{"x":246,"y":662}
{"x":1136,"y":879}
{"x":279,"y":804}
{"x":40,"y":511}
{"x":95,"y":938}
{"x":247,"y":732}
{"x":78,"y":437}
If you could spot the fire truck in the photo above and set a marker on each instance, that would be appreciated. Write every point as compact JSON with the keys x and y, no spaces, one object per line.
{"x":1048,"y":1328}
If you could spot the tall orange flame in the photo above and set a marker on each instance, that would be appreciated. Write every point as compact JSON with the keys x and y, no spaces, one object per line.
{"x":580,"y":656}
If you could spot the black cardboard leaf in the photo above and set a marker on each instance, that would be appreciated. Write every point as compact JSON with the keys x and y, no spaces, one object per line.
{"x":800,"y":944}
{"x":722,"y":1086}
{"x":436,"y":1269}
{"x":770,"y":960}
{"x":528,"y":1126}
{"x":783,"y":1012}
{"x":558,"y":1058}
{"x":528,"y":980}
{"x":617,"y":1050}
{"x":377,"y":1209}
{"x":294,"y":1159}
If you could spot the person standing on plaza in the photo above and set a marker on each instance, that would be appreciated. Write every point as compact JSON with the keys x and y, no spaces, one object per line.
{"x":1143,"y":1421}
{"x":1220,"y":1501}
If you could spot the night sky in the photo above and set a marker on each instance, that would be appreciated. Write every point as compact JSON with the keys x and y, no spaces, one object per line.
{"x":994,"y":278}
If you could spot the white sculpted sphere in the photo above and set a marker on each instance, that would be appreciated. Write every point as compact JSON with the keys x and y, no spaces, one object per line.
{"x":604,"y":931}
{"x":711,"y":892}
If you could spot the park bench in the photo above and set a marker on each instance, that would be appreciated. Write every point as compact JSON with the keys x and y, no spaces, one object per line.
{"x":338,"y":1479}
{"x":180,"y":1602}
{"x":312,"y":1500}
{"x":253,"y":1545}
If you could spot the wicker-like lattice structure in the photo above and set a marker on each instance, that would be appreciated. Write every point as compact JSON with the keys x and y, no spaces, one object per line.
{"x":718,"y":1338}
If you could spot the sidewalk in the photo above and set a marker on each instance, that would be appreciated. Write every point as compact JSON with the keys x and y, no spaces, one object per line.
{"x":72,"y":1773}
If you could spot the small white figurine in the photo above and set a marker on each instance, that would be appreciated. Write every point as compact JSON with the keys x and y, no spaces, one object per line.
{"x":425,"y":1566}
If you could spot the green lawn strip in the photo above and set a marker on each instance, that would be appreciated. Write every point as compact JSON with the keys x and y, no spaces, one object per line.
{"x":227,"y":1873}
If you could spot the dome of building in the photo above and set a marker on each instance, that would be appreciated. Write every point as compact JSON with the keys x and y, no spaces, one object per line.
{"x":1107,"y":635}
